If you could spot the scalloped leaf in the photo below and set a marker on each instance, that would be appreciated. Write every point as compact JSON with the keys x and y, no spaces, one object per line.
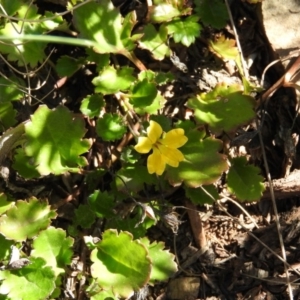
{"x":102,"y":22}
{"x":212,"y":12}
{"x":184,"y":31}
{"x":163,"y":264}
{"x":111,"y":81}
{"x":34,"y":281}
{"x":244,"y":180}
{"x":143,"y":93}
{"x":84,"y":216}
{"x":155,"y":41}
{"x":224,"y":48}
{"x":164,"y":12}
{"x":55,"y":140}
{"x":91,"y":105}
{"x":26,"y":219}
{"x":224,"y":108}
{"x":29,"y":52}
{"x":102,"y":204}
{"x":203,"y":164}
{"x":110,"y":127}
{"x":120,"y":264}
{"x":55,"y":248}
{"x":68,"y":66}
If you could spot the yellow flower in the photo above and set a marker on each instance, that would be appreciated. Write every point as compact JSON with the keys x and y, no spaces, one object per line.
{"x":164,"y":147}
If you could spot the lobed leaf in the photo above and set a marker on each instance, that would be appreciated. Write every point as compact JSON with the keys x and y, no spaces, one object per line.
{"x":26,"y":219}
{"x":120,"y":264}
{"x":244,"y":180}
{"x":55,"y":140}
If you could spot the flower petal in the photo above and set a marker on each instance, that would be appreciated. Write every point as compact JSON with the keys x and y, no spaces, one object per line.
{"x":156,"y":163}
{"x":171,"y":156}
{"x":154,"y":131}
{"x":144,"y":145}
{"x":175,"y":138}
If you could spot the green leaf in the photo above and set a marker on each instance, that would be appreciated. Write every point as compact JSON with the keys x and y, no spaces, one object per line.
{"x":68,"y":66}
{"x":224,"y":48}
{"x":111,"y":81}
{"x":102,"y":204}
{"x":120,"y":264}
{"x":55,"y":140}
{"x":158,"y":103}
{"x":134,"y":178}
{"x":7,"y":115}
{"x":143,"y":94}
{"x":199,"y":196}
{"x":55,"y":248}
{"x":26,"y":219}
{"x":4,"y":204}
{"x":24,"y":166}
{"x":29,"y":52}
{"x":184,"y":31}
{"x":110,"y":127}
{"x":203,"y":163}
{"x":155,"y":41}
{"x":5,"y":249}
{"x":132,"y":222}
{"x":164,"y":12}
{"x":221,"y":108}
{"x":34,"y":281}
{"x":243,"y":180}
{"x":212,"y":12}
{"x":91,"y":105}
{"x":163,"y":264}
{"x":9,"y":90}
{"x":84,"y":216}
{"x":102,"y":22}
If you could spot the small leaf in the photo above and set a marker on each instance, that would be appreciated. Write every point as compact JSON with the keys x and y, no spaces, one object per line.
{"x":102,"y":204}
{"x":4,"y":204}
{"x":163,"y":264}
{"x":243,"y":180}
{"x":143,"y":94}
{"x":110,"y":127}
{"x":55,"y":140}
{"x":55,"y":248}
{"x":92,"y":105}
{"x":34,"y":281}
{"x":29,"y":52}
{"x":5,"y":248}
{"x":9,"y":90}
{"x":224,"y":48}
{"x":26,"y":219}
{"x":184,"y":31}
{"x":24,"y":165}
{"x":84,"y":216}
{"x":155,"y":41}
{"x":202,"y":196}
{"x":102,"y":22}
{"x":120,"y":264}
{"x":212,"y":12}
{"x":158,"y":103}
{"x":203,"y":163}
{"x":164,"y":12}
{"x":111,"y":81}
{"x":221,"y":108}
{"x":67,"y":66}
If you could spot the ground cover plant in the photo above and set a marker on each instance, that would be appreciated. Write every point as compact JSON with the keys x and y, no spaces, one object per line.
{"x":95,"y":140}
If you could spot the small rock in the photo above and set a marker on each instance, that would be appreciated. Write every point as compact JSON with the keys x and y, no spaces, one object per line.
{"x":183,"y":288}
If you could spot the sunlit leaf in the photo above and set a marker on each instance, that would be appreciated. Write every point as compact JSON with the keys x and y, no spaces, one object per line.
{"x":224,"y":108}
